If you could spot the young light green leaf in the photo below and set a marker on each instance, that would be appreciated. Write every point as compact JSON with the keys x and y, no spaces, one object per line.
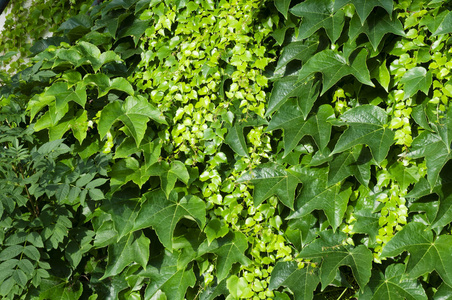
{"x":334,"y":66}
{"x":367,"y":125}
{"x":393,"y":285}
{"x":163,"y":214}
{"x":334,"y":254}
{"x":291,"y":119}
{"x":317,"y":195}
{"x":302,"y":282}
{"x":272,"y":179}
{"x":416,"y":79}
{"x":134,"y":113}
{"x":133,"y":247}
{"x":426,"y":252}
{"x":318,"y":14}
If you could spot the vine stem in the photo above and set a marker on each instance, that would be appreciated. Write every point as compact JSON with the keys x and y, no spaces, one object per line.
{"x":342,"y":294}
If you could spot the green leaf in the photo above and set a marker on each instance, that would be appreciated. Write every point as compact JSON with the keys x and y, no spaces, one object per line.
{"x":445,"y":26}
{"x":334,"y":66}
{"x":364,"y":7}
{"x":165,"y":276}
{"x":169,"y":174}
{"x":367,"y":125}
{"x":426,"y":252}
{"x":133,"y":247}
{"x":296,"y":51}
{"x":404,"y":176}
{"x":272,"y":179}
{"x":317,"y":195}
{"x":291,"y":119}
{"x":283,"y":7}
{"x":318,"y":14}
{"x":229,"y":249}
{"x":134,"y":113}
{"x":435,"y":147}
{"x":236,"y":140}
{"x":356,"y":161}
{"x":105,"y":84}
{"x":375,"y":28}
{"x":163,"y":214}
{"x":302,"y":282}
{"x":393,"y":285}
{"x":306,"y":91}
{"x":416,"y":79}
{"x":382,"y":75}
{"x":334,"y":254}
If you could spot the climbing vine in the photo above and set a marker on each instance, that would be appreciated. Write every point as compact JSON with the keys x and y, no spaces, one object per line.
{"x":243,"y":149}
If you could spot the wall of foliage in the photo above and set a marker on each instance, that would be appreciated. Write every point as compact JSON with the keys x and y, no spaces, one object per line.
{"x":231,"y":149}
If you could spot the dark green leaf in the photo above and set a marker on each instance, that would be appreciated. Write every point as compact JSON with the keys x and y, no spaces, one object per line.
{"x":318,"y":14}
{"x":302,"y":282}
{"x":283,"y":7}
{"x":317,"y":195}
{"x":334,"y":66}
{"x":272,"y":179}
{"x":427,"y":253}
{"x":416,"y":79}
{"x":365,"y":7}
{"x":356,"y":161}
{"x":334,"y":253}
{"x":367,"y":125}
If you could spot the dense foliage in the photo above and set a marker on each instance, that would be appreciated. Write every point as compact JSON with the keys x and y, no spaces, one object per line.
{"x":238,"y":149}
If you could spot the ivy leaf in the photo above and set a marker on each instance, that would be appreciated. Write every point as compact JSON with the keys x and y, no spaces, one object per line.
{"x":317,"y":195}
{"x":134,"y":113}
{"x":318,"y":14}
{"x":356,"y":161}
{"x":296,"y":50}
{"x":334,"y":66}
{"x":445,"y":26}
{"x":230,"y":249}
{"x":364,"y":7}
{"x":272,"y":179}
{"x":393,"y":285}
{"x":302,"y":282}
{"x":105,"y":84}
{"x":283,"y":7}
{"x":165,"y":276}
{"x":306,"y":91}
{"x":403,"y":175}
{"x":416,"y":79}
{"x":435,"y":147}
{"x":426,"y":253}
{"x":375,"y":28}
{"x":163,"y":214}
{"x":291,"y":119}
{"x":131,"y":248}
{"x":329,"y":246}
{"x":367,"y":125}
{"x":169,"y":174}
